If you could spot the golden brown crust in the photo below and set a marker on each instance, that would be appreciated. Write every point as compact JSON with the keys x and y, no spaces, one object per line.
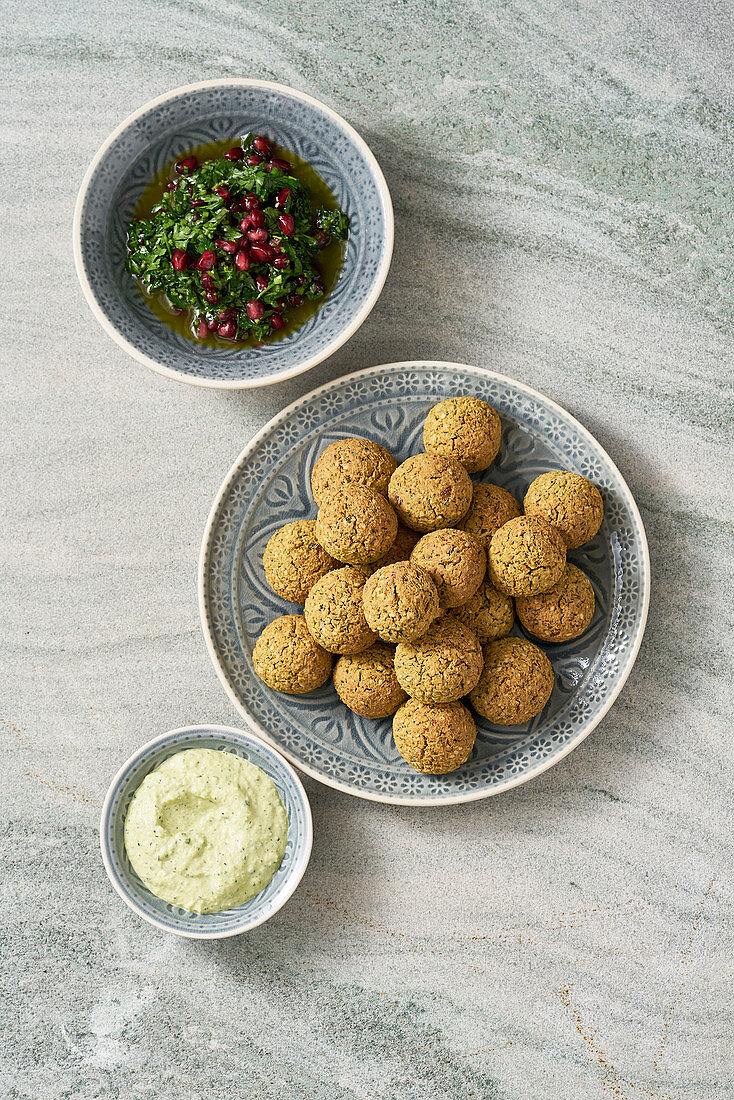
{"x":465,"y":429}
{"x":334,"y":612}
{"x":516,"y":683}
{"x":434,"y":739}
{"x":562,"y":613}
{"x":569,"y":501}
{"x":491,"y":508}
{"x":526,"y":556}
{"x":356,"y":525}
{"x":488,"y":613}
{"x":367,"y":684}
{"x":288,"y":659}
{"x":400,"y":602}
{"x":294,"y":560}
{"x":429,"y":492}
{"x":455,"y":561}
{"x":353,"y":461}
{"x":443,"y":665}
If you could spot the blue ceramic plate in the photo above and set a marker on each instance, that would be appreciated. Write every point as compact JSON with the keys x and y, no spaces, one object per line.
{"x":219,"y":110}
{"x":270,"y":485}
{"x":231,"y":922}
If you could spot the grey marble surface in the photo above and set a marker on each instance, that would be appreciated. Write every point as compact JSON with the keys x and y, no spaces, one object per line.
{"x":560,"y":179}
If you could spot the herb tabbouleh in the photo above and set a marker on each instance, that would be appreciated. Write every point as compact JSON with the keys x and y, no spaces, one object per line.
{"x":233,"y":246}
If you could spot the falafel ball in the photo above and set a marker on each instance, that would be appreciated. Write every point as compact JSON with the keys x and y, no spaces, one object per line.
{"x":429,"y":491}
{"x":367,"y":684}
{"x":334,"y":614}
{"x":400,"y":602}
{"x":294,"y":560}
{"x":455,"y":561}
{"x":516,"y":683}
{"x":288,"y":658}
{"x":466,"y":429}
{"x":570,"y":502}
{"x":491,"y":507}
{"x":443,"y":665}
{"x":561,"y":614}
{"x":526,"y":556}
{"x":488,"y":613}
{"x":434,"y":739}
{"x":353,"y":461}
{"x":356,"y":525}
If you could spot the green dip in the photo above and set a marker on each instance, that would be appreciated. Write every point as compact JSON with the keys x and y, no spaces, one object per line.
{"x":206,"y":830}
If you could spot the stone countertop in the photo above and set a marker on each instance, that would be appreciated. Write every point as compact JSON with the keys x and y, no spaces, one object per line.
{"x":560,"y":180}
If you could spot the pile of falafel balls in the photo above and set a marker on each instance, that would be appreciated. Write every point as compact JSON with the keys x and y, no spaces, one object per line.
{"x":411,"y":576}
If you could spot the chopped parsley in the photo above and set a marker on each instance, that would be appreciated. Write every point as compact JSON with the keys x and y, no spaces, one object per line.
{"x":234,"y":243}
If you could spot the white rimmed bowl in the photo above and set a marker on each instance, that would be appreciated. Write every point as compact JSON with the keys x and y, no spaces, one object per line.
{"x":170,"y":918}
{"x":175,"y":123}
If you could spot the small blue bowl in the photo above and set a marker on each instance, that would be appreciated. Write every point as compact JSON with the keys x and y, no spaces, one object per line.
{"x":219,"y":110}
{"x":230,"y":922}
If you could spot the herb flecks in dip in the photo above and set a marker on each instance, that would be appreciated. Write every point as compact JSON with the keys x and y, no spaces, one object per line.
{"x":206,"y":830}
{"x":235,"y":247}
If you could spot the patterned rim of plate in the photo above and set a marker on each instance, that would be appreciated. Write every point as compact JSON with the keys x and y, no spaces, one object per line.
{"x":630,"y":558}
{"x":265,"y":380}
{"x":228,"y":922}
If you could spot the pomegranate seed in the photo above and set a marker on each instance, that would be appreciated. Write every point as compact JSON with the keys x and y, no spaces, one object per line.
{"x":262,"y":282}
{"x":322,"y":238}
{"x":222,"y":191}
{"x":257,"y":219}
{"x":226,"y":246}
{"x":287,"y":223}
{"x":257,"y":236}
{"x":228,"y":314}
{"x":295,"y":300}
{"x":207,"y":260}
{"x":195,"y":203}
{"x":281,"y":262}
{"x":262,"y":145}
{"x":180,"y":259}
{"x":253,"y":159}
{"x":276,"y":322}
{"x":243,"y":242}
{"x":176,"y":311}
{"x":212,"y":325}
{"x":261,"y":253}
{"x":250,"y":201}
{"x":206,"y":280}
{"x":254,"y":310}
{"x":282,"y":198}
{"x":211,"y":296}
{"x":202,"y":329}
{"x":317,"y":286}
{"x":280,"y":165}
{"x":171,"y":185}
{"x":245,"y":223}
{"x":236,"y":206}
{"x":186,"y":165}
{"x":234,"y":154}
{"x":227,"y":329}
{"x":242,"y":260}
{"x":279,"y":306}
{"x":301,"y":280}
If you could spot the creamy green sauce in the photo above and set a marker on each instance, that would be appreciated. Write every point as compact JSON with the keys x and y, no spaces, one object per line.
{"x":206,"y":830}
